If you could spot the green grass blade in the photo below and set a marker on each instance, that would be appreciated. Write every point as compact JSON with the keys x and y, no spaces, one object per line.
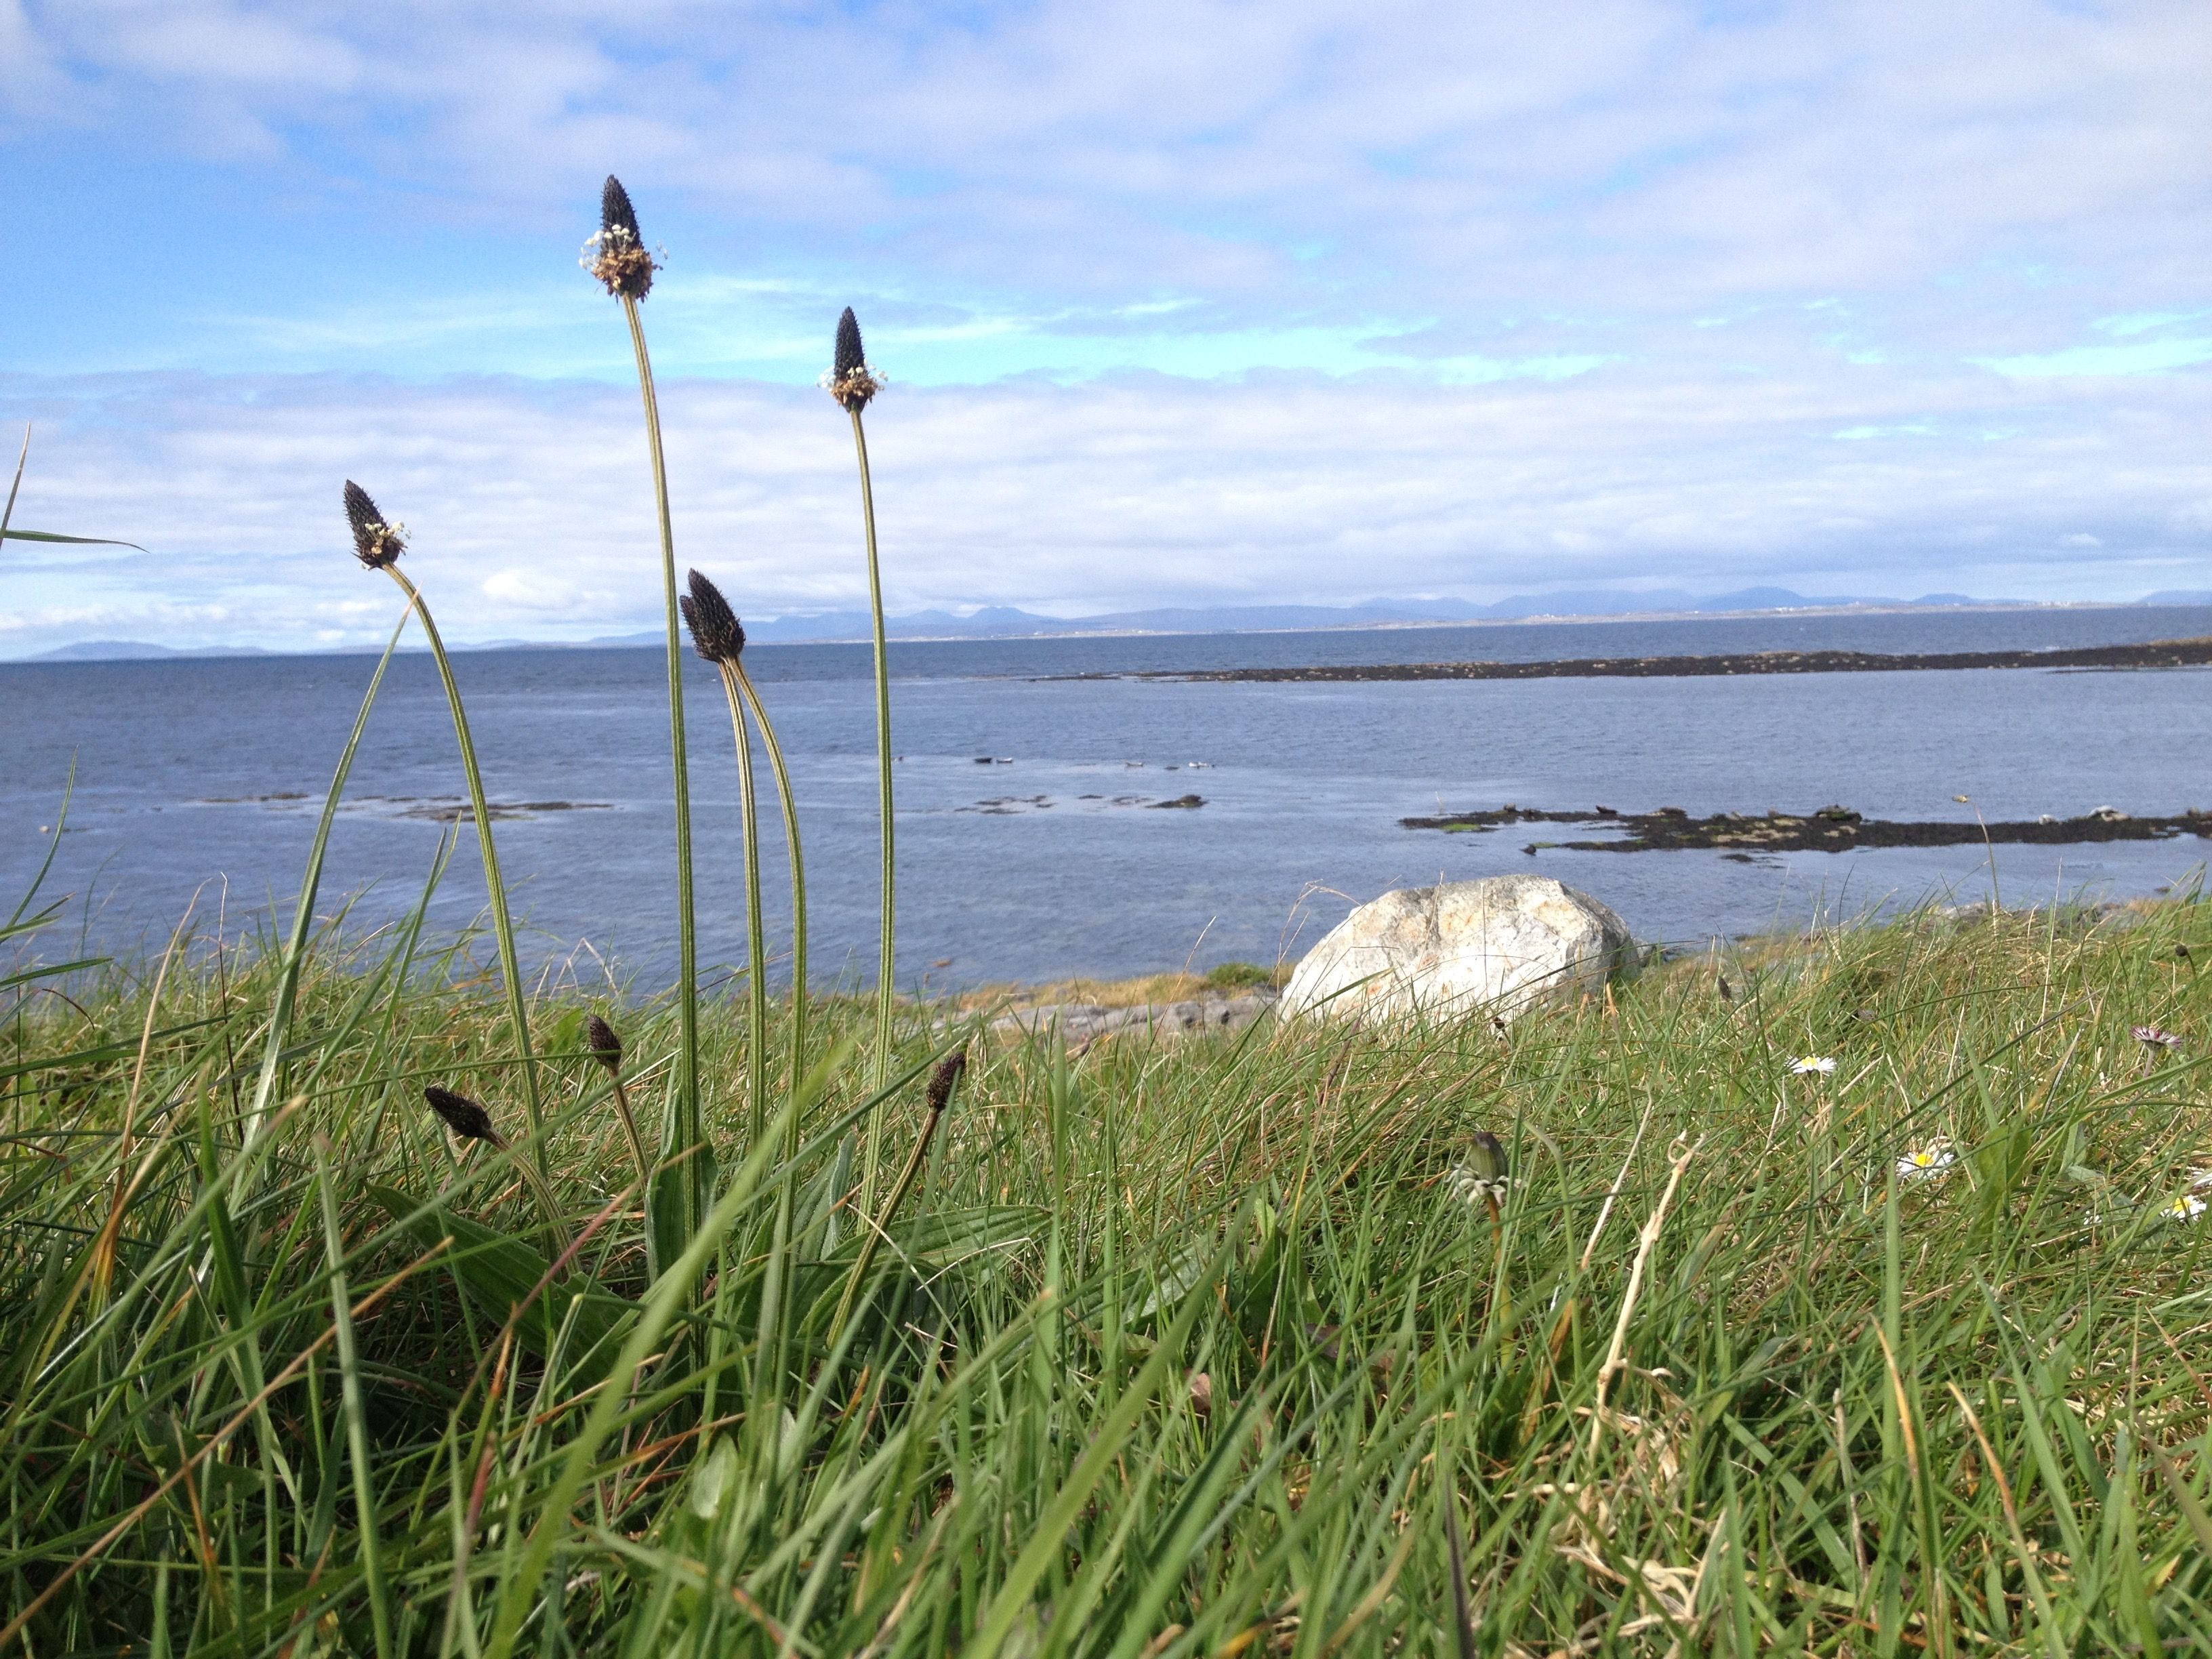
{"x":303,"y":915}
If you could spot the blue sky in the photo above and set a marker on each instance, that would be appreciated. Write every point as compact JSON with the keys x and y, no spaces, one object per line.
{"x":1180,"y":303}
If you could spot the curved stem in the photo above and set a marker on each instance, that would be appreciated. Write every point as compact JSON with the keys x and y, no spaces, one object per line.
{"x":776,"y":1289}
{"x":885,"y":978}
{"x":546,"y":1201}
{"x":502,"y":924}
{"x":689,"y":1128}
{"x":798,"y":983}
{"x":756,"y":946}
{"x":879,"y":1228}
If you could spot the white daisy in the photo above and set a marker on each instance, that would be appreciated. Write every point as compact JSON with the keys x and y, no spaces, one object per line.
{"x":1930,"y":1163}
{"x":1812,"y":1066}
{"x":2187,"y":1208}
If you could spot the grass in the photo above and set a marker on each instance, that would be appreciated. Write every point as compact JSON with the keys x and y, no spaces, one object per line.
{"x":1182,"y":1348}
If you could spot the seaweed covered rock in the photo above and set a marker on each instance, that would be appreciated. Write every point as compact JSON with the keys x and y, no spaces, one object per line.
{"x":1496,"y":947}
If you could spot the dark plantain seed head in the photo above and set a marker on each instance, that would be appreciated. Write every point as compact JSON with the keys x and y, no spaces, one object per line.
{"x":605,"y":1046}
{"x":616,"y":256}
{"x":716,"y":632}
{"x":942,"y":1079}
{"x":463,"y":1115}
{"x":616,"y":213}
{"x":376,"y":543}
{"x":850,"y":381}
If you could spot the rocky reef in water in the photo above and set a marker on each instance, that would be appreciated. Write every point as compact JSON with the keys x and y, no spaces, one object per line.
{"x":1831,"y":829}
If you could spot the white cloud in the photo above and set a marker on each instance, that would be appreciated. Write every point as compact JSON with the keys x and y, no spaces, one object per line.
{"x":1850,"y":294}
{"x":530,"y":507}
{"x":535,"y":591}
{"x":1643,"y":149}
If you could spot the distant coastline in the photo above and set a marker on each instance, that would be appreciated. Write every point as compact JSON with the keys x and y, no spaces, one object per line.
{"x":1375,"y":616}
{"x":2158,"y":653}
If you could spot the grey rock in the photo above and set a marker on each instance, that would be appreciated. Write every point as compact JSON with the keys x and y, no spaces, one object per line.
{"x":1495,"y":947}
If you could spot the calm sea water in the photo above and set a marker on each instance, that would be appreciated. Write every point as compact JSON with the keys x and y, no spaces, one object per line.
{"x":205,"y":777}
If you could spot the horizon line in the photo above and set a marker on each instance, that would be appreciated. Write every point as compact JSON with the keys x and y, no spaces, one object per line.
{"x":151,"y":651}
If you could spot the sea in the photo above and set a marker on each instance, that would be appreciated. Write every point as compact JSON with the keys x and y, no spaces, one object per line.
{"x":1031,"y":842}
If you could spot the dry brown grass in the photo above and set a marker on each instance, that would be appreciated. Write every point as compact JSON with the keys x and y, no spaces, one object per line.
{"x":1136,"y":993}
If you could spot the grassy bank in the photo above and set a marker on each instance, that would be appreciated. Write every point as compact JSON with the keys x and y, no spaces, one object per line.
{"x":1205,"y":1347}
{"x":1229,"y":979}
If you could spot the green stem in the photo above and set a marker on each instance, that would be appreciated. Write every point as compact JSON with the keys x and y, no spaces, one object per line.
{"x":546,"y":1201}
{"x":790,"y":804}
{"x":885,"y":978}
{"x":756,"y":946}
{"x":690,"y":1129}
{"x":775,"y":1297}
{"x":881,"y":1225}
{"x":644,"y":1159}
{"x":502,"y":923}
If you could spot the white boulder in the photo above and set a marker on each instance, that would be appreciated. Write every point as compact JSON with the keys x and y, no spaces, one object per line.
{"x":1496,"y":946}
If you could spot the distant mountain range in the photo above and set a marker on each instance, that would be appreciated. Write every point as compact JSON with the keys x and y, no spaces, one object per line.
{"x":137,"y":650}
{"x":1003,"y":621}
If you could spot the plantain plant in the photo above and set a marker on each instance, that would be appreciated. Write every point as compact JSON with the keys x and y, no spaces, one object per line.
{"x":854,"y":385}
{"x":378,"y":543}
{"x":617,"y":257}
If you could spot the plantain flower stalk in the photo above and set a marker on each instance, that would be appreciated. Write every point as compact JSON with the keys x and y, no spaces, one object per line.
{"x":854,"y":384}
{"x":378,"y":543}
{"x":607,"y":1048}
{"x":617,"y":256}
{"x":715,"y":628}
{"x":734,"y":672}
{"x":720,"y":639}
{"x":936,"y":1098}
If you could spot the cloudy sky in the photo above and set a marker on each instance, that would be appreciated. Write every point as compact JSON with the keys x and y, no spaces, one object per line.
{"x":1180,"y":302}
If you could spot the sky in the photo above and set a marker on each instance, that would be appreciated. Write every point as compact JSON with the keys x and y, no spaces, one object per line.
{"x":1180,"y":303}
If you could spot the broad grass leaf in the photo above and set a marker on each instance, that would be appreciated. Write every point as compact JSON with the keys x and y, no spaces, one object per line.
{"x":500,"y":1272}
